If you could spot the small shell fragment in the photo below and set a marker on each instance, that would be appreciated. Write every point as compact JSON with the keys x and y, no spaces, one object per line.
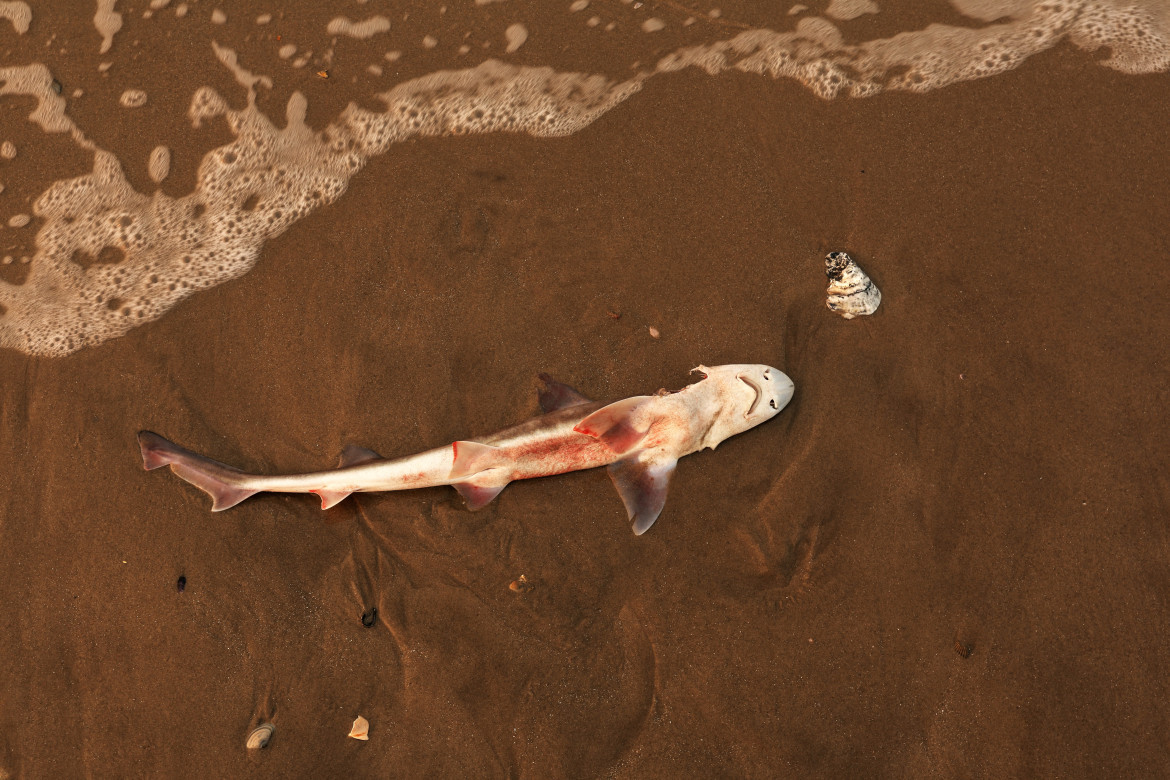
{"x":654,"y":332}
{"x":851,"y":292}
{"x":361,"y":729}
{"x":521,"y":585}
{"x":260,"y":736}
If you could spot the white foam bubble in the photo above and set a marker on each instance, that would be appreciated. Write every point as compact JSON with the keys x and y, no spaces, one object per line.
{"x":218,"y":17}
{"x":362,"y":30}
{"x":133,"y":98}
{"x":653,"y":24}
{"x":108,"y":22}
{"x":19,"y":220}
{"x":851,"y":9}
{"x":8,"y":150}
{"x":515,"y":35}
{"x":18,"y":13}
{"x":159,"y":165}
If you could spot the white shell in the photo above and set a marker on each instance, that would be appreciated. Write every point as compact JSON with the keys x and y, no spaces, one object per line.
{"x":361,"y":728}
{"x":851,"y":292}
{"x":260,"y":736}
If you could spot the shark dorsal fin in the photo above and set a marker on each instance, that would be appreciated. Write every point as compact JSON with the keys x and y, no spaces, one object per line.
{"x":471,"y":457}
{"x":643,"y":486}
{"x":557,"y":395}
{"x":614,"y":426}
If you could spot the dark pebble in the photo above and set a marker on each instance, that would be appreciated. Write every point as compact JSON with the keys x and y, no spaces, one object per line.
{"x":369,"y":616}
{"x":57,"y":86}
{"x":181,"y":584}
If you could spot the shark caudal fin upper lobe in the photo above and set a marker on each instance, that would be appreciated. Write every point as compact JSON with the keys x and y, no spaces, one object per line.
{"x":212,"y":477}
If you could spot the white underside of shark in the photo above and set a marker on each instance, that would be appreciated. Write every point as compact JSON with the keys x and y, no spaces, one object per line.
{"x":639,"y":439}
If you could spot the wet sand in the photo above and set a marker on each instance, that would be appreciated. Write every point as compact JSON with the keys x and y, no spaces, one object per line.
{"x":946,"y":558}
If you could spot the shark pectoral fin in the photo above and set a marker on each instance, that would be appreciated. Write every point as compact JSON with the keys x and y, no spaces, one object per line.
{"x":354,"y":455}
{"x":643,"y":486}
{"x":556,"y":395}
{"x":613,"y":425}
{"x":471,"y":457}
{"x":478,"y":496}
{"x":331,"y":498}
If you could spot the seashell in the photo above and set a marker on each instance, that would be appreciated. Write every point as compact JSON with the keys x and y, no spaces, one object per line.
{"x":851,"y":292}
{"x":260,"y":736}
{"x":361,"y":728}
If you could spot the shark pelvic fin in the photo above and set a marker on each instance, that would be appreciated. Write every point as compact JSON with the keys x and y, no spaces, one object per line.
{"x":471,"y":457}
{"x":613,"y":425}
{"x":556,"y":395}
{"x":478,"y":496}
{"x":354,"y":455}
{"x":643,"y":487}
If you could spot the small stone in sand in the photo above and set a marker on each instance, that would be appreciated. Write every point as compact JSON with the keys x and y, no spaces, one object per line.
{"x":369,"y":617}
{"x":181,"y":585}
{"x":654,"y":332}
{"x":360,"y":729}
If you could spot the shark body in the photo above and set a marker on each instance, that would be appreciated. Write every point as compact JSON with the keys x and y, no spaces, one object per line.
{"x":639,"y":439}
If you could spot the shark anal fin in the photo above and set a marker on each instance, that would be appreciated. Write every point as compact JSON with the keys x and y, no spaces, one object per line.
{"x":557,"y":395}
{"x":478,"y":496}
{"x":613,"y":425}
{"x":643,"y":486}
{"x":471,"y":457}
{"x":353,"y":455}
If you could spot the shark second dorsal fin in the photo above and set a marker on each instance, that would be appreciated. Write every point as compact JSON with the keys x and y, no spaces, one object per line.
{"x":354,"y":455}
{"x":557,"y":395}
{"x":613,"y":425}
{"x":643,"y":486}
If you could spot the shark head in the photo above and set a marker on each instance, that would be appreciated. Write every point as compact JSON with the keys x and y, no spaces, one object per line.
{"x":745,"y":395}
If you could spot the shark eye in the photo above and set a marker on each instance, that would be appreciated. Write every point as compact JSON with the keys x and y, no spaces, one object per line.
{"x":766,"y":377}
{"x":772,"y":403}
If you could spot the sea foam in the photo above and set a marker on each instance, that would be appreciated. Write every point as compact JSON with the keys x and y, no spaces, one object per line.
{"x":253,"y":188}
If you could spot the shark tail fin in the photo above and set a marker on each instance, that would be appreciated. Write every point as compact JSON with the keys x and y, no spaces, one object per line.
{"x":212,"y":477}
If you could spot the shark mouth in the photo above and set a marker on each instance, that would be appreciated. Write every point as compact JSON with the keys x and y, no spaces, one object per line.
{"x":759,"y":394}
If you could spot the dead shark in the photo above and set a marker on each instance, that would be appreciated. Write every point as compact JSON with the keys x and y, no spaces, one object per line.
{"x":639,"y":439}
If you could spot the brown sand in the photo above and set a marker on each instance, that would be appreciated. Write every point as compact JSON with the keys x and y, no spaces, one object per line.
{"x":980,"y":467}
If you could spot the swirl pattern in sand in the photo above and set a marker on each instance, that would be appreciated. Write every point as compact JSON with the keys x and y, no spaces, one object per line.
{"x":254,"y":187}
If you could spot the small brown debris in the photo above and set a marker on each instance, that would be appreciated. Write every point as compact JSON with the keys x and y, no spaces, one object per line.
{"x":323,"y":74}
{"x":964,"y":649}
{"x":654,"y":332}
{"x":614,"y":315}
{"x":521,"y":585}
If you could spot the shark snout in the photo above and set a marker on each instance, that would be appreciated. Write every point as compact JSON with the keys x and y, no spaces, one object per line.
{"x":773,"y":390}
